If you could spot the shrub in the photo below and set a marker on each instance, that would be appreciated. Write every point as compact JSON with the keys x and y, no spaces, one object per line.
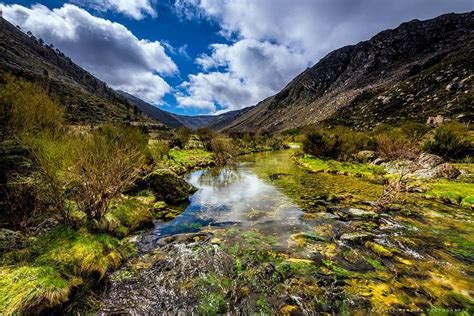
{"x":393,"y":145}
{"x":320,"y":144}
{"x":223,"y":150}
{"x":205,"y":136}
{"x":450,"y":141}
{"x":340,"y":143}
{"x":414,"y":131}
{"x":106,"y":162}
{"x":181,"y":138}
{"x":159,"y":150}
{"x":27,"y":107}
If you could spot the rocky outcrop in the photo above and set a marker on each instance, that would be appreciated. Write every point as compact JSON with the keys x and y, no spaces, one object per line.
{"x":409,"y":73}
{"x":427,"y":166}
{"x":10,"y":239}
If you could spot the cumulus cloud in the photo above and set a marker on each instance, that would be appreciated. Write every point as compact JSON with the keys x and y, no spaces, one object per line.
{"x":136,"y":9}
{"x":272,"y":41}
{"x":106,"y":49}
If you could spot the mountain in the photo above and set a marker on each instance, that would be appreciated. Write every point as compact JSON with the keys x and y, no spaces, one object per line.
{"x":153,"y":112}
{"x":419,"y":69}
{"x":87,"y":99}
{"x":215,"y":122}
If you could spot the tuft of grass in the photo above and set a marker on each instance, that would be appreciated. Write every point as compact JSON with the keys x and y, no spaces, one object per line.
{"x":54,"y":265}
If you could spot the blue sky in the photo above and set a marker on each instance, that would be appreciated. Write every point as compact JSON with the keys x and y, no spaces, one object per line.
{"x":209,"y":56}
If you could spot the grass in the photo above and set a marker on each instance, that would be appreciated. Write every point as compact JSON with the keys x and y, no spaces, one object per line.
{"x":328,"y":165}
{"x":453,"y":192}
{"x":183,"y":160}
{"x":44,"y":274}
{"x":53,"y":266}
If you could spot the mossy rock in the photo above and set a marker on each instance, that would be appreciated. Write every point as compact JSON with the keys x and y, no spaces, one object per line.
{"x":167,"y":186}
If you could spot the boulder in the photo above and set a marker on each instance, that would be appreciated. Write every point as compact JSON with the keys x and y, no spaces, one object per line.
{"x":427,"y":161}
{"x":167,"y":186}
{"x":377,"y":161}
{"x":365,"y":155}
{"x":399,"y":166}
{"x":444,"y":170}
{"x":10,"y":239}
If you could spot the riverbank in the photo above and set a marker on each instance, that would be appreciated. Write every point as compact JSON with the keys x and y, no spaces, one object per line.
{"x":267,"y":236}
{"x":57,"y":267}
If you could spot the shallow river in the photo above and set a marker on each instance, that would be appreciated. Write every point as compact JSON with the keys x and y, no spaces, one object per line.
{"x":266,"y":236}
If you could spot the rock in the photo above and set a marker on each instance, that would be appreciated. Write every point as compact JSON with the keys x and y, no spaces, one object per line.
{"x":159,"y":206}
{"x":185,"y":238}
{"x":10,"y":239}
{"x":365,"y":155}
{"x":216,"y":241}
{"x":357,"y":212}
{"x":378,"y":249}
{"x":377,"y":161}
{"x":356,"y":237}
{"x":436,"y":120}
{"x":289,"y":309}
{"x":444,"y":170}
{"x":427,"y":161}
{"x":399,"y":166}
{"x":167,"y":186}
{"x":454,"y":86}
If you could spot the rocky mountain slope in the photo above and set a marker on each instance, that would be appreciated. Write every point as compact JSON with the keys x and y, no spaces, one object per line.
{"x":87,"y":99}
{"x":419,"y":69}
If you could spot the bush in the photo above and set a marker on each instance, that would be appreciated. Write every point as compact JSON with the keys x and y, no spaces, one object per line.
{"x":205,"y":136}
{"x":27,"y":107}
{"x":414,"y":131}
{"x":159,"y":150}
{"x":181,"y":138}
{"x":106,"y":162}
{"x":223,"y":150}
{"x":339,"y":143}
{"x":450,"y":141}
{"x":320,"y":144}
{"x":393,"y":145}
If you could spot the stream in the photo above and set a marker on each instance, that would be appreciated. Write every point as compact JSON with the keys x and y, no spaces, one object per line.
{"x":266,"y":236}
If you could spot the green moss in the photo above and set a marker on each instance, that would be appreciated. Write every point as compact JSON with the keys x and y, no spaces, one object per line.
{"x":375,"y":263}
{"x":183,"y":160}
{"x":212,"y":304}
{"x":453,"y":192}
{"x":55,"y":264}
{"x":327,"y":165}
{"x":379,"y":249}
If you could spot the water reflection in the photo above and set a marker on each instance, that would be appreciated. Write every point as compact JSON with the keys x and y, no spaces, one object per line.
{"x":232,"y":196}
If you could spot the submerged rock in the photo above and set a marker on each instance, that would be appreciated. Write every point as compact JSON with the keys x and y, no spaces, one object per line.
{"x":185,"y":238}
{"x":167,"y":186}
{"x":357,"y":237}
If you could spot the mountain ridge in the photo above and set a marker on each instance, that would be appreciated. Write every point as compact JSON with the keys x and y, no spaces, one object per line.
{"x":345,"y":78}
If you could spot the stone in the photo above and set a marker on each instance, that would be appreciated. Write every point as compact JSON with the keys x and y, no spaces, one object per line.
{"x":10,"y":239}
{"x":400,"y":166}
{"x":454,"y":86}
{"x":377,"y":162}
{"x":289,"y":309}
{"x":444,"y":170}
{"x":426,"y":160}
{"x":356,"y":237}
{"x":365,"y":155}
{"x":167,"y":186}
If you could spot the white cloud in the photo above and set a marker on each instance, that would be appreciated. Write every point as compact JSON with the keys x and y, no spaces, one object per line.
{"x":272,"y":41}
{"x":104,"y":48}
{"x":136,"y":9}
